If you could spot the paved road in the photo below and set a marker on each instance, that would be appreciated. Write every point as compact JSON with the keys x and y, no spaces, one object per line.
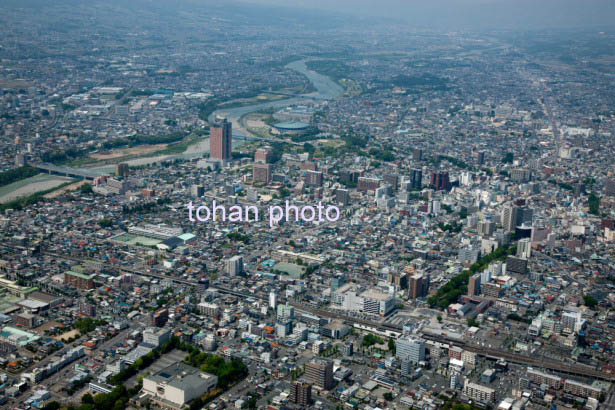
{"x":496,"y":353}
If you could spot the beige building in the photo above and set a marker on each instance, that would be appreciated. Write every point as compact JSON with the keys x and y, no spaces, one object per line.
{"x":178,"y":384}
{"x":479,"y":392}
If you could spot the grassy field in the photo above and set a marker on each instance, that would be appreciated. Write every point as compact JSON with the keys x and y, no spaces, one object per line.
{"x":136,"y":240}
{"x":144,"y":151}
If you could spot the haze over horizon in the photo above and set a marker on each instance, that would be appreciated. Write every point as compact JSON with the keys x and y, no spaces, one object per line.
{"x":465,"y":14}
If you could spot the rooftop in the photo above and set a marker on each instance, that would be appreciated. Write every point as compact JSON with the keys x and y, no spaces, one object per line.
{"x":181,"y":376}
{"x":291,"y":125}
{"x":79,"y":275}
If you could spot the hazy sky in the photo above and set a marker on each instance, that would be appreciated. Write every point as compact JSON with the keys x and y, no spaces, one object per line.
{"x":455,"y":14}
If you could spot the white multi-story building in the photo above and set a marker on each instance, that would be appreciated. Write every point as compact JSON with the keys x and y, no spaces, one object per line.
{"x":370,"y":301}
{"x":478,"y":392}
{"x":286,"y":311}
{"x":468,"y":358}
{"x":572,"y":321}
{"x":156,"y":337}
{"x":524,"y":248}
{"x":377,"y":303}
{"x":273,"y":300}
{"x":209,"y":309}
{"x":234,"y":265}
{"x":410,"y":349}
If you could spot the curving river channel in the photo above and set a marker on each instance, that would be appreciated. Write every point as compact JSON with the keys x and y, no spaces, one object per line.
{"x":325,"y":87}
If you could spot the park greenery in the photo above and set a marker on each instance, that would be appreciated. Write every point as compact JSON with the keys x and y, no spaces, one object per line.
{"x":392,"y":346}
{"x":59,"y":156}
{"x":590,"y":301}
{"x":457,"y":286}
{"x":228,"y":373}
{"x":517,"y":318}
{"x":454,"y":227}
{"x":593,"y":202}
{"x":86,"y":189}
{"x":88,"y":324}
{"x":146,"y":207}
{"x":135,"y":140}
{"x":381,"y":154}
{"x":236,"y":236}
{"x":370,"y":340}
{"x":105,"y":223}
{"x":17,"y":174}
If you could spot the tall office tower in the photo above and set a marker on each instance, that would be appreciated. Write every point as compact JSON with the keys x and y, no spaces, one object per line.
{"x":486,"y":228}
{"x":410,"y":349}
{"x":349,"y":176}
{"x":221,"y":137}
{"x":263,"y":155}
{"x":367,"y":184}
{"x":342,"y":196}
{"x":300,"y":393}
{"x":485,"y":276}
{"x":347,"y":349}
{"x":262,"y":172}
{"x":313,"y":178}
{"x":320,"y":373}
{"x":273,"y":300}
{"x":509,"y":218}
{"x":480,"y":157}
{"x":525,"y":216}
{"x":160,"y":317}
{"x":466,"y":178}
{"x":121,"y":169}
{"x":417,"y":154}
{"x":609,"y":188}
{"x":405,"y":185}
{"x":416,"y":178}
{"x":524,"y":248}
{"x":400,"y":280}
{"x":234,"y":265}
{"x":521,"y":175}
{"x":197,"y":191}
{"x":440,"y":181}
{"x":392,"y":180}
{"x":418,"y":286}
{"x":285,"y":311}
{"x":513,"y":216}
{"x":474,"y":285}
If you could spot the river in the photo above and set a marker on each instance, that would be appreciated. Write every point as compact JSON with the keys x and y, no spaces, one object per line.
{"x":325,"y":87}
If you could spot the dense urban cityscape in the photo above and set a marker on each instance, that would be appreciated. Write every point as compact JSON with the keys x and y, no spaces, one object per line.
{"x":228,"y":205}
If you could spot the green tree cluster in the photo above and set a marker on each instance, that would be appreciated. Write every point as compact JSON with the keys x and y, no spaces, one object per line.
{"x":457,"y":286}
{"x":370,"y":340}
{"x":146,"y":207}
{"x":88,"y":324}
{"x":135,"y":140}
{"x":593,"y":201}
{"x":17,"y":174}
